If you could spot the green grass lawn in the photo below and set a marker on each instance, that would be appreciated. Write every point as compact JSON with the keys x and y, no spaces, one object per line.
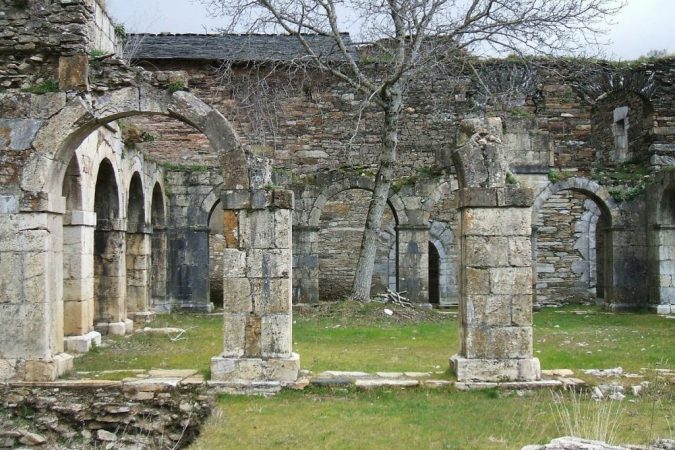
{"x":349,"y":337}
{"x":368,"y":340}
{"x":417,"y":418}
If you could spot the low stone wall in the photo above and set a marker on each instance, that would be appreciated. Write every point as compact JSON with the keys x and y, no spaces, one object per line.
{"x":94,"y":415}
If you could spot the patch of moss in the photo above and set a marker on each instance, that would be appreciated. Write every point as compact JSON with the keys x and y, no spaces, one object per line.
{"x":44,"y":87}
{"x":176,"y":86}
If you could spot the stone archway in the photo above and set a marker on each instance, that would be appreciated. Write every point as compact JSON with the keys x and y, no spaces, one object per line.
{"x":306,"y":234}
{"x":137,"y":253}
{"x":34,"y":230}
{"x":591,"y":250}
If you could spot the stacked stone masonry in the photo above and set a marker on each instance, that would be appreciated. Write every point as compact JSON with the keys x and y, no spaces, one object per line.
{"x":132,"y":191}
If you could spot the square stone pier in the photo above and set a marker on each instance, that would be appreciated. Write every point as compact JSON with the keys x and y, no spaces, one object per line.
{"x":257,"y":289}
{"x":496,"y":287}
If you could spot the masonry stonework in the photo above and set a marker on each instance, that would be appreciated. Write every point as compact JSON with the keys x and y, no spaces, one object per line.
{"x":110,"y":182}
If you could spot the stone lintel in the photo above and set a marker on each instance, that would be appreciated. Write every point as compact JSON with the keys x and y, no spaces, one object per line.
{"x":495,"y":370}
{"x":255,"y":370}
{"x":509,"y":196}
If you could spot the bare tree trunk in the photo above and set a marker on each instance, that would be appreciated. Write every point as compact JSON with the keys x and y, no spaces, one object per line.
{"x":364,"y":268}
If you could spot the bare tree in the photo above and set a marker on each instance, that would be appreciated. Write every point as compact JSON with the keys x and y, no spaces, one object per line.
{"x":409,"y":37}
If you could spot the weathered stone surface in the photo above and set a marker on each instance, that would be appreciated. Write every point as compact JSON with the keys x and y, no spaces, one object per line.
{"x":496,"y":222}
{"x":492,"y":370}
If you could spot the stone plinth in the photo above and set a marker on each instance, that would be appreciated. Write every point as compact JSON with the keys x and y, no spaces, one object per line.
{"x":257,"y":289}
{"x":246,"y":370}
{"x":496,"y":287}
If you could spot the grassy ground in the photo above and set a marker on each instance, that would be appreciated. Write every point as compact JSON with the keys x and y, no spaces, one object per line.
{"x":398,"y":419}
{"x":345,"y":337}
{"x":349,"y":337}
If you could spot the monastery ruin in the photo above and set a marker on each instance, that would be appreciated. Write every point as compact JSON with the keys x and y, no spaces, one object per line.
{"x":128,"y":191}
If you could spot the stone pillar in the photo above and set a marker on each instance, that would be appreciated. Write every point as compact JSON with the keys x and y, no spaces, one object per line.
{"x":305,"y":264}
{"x":662,"y":255}
{"x":158,"y":261}
{"x":110,"y":284}
{"x":257,"y":289}
{"x":496,"y":287}
{"x":413,"y":262}
{"x":78,"y":273}
{"x":138,"y":273}
{"x":189,"y":267}
{"x":31,"y":293}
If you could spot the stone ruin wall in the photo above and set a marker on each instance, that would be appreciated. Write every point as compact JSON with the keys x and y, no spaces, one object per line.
{"x":35,"y":34}
{"x":553,"y":126}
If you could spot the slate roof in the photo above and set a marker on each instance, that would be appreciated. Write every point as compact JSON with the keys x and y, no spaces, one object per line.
{"x":233,"y":47}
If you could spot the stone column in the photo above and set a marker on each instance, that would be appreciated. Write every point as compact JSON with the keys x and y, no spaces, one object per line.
{"x":110,"y":284}
{"x":78,"y":273}
{"x":31,"y":297}
{"x":413,"y":262}
{"x":495,"y":287}
{"x":138,"y":273}
{"x":662,"y":255}
{"x":78,"y":282}
{"x":257,"y":289}
{"x":305,"y":264}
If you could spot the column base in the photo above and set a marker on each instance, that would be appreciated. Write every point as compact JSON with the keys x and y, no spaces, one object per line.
{"x":35,"y":370}
{"x":143,"y":317}
{"x":255,"y":370}
{"x":115,"y":328}
{"x":662,"y":310}
{"x":82,"y":344}
{"x":495,"y":370}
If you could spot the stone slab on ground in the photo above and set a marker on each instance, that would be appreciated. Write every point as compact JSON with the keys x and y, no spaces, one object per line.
{"x":467,"y":385}
{"x":181,"y":373}
{"x":262,"y":388}
{"x":370,"y":383}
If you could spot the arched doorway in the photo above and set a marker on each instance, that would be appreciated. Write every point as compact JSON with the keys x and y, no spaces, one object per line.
{"x":109,"y":249}
{"x":571,"y":244}
{"x":158,"y":252}
{"x":78,"y":228}
{"x":137,"y":253}
{"x":340,"y":232}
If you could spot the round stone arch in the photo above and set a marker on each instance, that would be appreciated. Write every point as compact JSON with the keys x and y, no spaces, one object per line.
{"x":56,"y":141}
{"x":595,"y":269}
{"x":355,"y":182}
{"x":585,"y":186}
